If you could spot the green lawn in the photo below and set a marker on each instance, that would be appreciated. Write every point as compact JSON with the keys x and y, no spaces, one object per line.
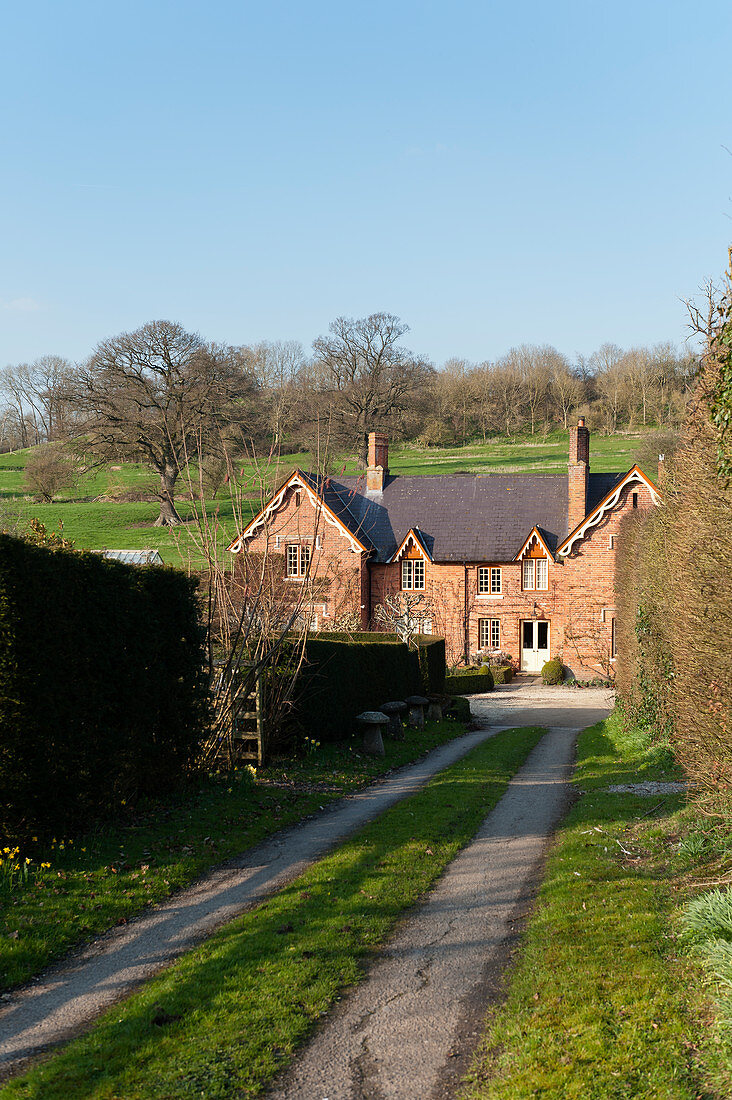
{"x":222,"y":1021}
{"x":94,"y":525}
{"x":602,"y":1003}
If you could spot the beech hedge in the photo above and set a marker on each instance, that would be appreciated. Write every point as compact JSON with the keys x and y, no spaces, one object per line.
{"x":103,"y":695}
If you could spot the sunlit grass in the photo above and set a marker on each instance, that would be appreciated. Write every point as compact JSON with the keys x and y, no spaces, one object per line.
{"x":236,"y":1009}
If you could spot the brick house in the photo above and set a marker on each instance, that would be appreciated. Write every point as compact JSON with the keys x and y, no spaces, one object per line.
{"x":523,"y":563}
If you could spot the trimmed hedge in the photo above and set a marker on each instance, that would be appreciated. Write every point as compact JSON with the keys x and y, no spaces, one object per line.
{"x":103,"y":695}
{"x":553,"y":671}
{"x":432,"y":666}
{"x":341,"y":677}
{"x":469,"y":681}
{"x":502,"y":674}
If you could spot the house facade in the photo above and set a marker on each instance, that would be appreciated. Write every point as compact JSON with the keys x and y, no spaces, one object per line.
{"x":521,"y":563}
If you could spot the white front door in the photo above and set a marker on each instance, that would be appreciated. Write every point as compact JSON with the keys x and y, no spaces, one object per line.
{"x":534,"y":644}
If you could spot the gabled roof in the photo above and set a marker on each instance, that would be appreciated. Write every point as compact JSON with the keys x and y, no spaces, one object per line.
{"x":323,"y":494}
{"x":416,"y":536}
{"x":459,"y":517}
{"x":541,"y":537}
{"x":594,"y":516}
{"x":455,"y":518}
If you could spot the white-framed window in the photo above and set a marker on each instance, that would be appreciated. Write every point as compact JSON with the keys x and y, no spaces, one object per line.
{"x":613,"y":639}
{"x":298,"y":560}
{"x":412,"y":573}
{"x":535,"y":574}
{"x":490,"y":580}
{"x":489,"y":633}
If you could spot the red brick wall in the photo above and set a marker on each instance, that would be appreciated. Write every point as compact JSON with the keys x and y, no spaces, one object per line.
{"x":337,"y":574}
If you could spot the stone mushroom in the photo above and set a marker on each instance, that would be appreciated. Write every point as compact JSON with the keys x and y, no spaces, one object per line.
{"x":394,"y":711}
{"x":434,"y":708}
{"x":417,"y":704}
{"x":373,"y":724}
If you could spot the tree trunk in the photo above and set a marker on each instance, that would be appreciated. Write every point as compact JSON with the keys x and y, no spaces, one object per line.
{"x":168,"y":516}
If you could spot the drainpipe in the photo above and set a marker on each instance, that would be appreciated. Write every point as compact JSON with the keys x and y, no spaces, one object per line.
{"x":466,"y":623}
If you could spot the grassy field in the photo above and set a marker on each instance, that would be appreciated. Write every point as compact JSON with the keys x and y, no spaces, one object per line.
{"x":603,"y":1002}
{"x":107,"y":876}
{"x":95,"y":524}
{"x":222,"y":1021}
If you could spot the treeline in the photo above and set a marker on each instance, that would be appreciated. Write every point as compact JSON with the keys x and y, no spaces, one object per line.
{"x":361,"y":377}
{"x":674,"y":596}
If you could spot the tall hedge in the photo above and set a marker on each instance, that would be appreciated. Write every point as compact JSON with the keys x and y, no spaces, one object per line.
{"x":343,"y":676}
{"x":432,"y":665}
{"x":103,"y":697}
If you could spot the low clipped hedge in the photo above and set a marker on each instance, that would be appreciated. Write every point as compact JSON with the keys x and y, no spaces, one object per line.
{"x":502,"y":674}
{"x":469,"y":681}
{"x":103,"y":695}
{"x":342,"y":676}
{"x":432,"y":665}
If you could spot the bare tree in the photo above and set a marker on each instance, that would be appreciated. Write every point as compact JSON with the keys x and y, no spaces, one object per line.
{"x":48,"y":470}
{"x":34,"y":391}
{"x":367,"y":376}
{"x":278,"y":367}
{"x":161,"y":393}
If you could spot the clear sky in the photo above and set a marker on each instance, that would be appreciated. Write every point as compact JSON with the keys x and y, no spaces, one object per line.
{"x":551,"y":171}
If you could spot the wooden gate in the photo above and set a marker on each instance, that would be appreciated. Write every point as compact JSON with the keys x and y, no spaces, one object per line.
{"x":248,"y":731}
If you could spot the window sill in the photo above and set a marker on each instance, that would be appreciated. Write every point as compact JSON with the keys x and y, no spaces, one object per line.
{"x":487,"y":596}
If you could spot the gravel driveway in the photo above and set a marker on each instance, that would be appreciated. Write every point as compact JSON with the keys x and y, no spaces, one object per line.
{"x":410,"y":1029}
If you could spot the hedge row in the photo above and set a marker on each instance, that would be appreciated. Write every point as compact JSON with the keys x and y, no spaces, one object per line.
{"x":341,"y":677}
{"x":469,"y":682}
{"x":431,"y":657}
{"x":102,"y":692}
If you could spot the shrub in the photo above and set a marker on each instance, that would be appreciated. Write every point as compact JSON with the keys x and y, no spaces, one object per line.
{"x":103,"y":696}
{"x":460,"y":709}
{"x":469,"y":681}
{"x":553,"y":671}
{"x":502,"y":674}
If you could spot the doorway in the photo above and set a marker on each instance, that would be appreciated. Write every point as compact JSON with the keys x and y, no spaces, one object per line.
{"x":534,"y":644}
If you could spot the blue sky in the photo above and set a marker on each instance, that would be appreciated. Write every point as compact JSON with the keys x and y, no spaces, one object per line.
{"x":493,"y":173}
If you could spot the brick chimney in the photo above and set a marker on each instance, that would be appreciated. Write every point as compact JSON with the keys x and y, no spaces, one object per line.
{"x":378,"y":467}
{"x":579,"y":470}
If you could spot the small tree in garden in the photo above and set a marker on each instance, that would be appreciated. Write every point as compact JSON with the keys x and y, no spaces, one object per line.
{"x":403,"y":614}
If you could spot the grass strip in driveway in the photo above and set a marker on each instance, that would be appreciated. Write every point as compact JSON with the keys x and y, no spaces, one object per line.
{"x":230,"y":1014}
{"x":599,"y":1004}
{"x":114,"y":872}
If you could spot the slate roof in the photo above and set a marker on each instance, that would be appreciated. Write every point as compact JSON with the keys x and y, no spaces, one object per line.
{"x":459,"y":517}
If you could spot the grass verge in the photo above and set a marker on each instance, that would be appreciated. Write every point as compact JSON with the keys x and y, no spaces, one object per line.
{"x":106,"y":877}
{"x":602,"y":1003}
{"x":234,"y":1010}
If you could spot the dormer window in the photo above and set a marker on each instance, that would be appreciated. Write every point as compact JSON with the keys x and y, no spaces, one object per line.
{"x":535,"y":575}
{"x":412,"y":574}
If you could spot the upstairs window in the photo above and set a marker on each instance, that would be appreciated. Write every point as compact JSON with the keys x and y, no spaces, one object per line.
{"x":535,"y":574}
{"x":489,"y":581}
{"x":298,"y":560}
{"x":412,"y":574}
